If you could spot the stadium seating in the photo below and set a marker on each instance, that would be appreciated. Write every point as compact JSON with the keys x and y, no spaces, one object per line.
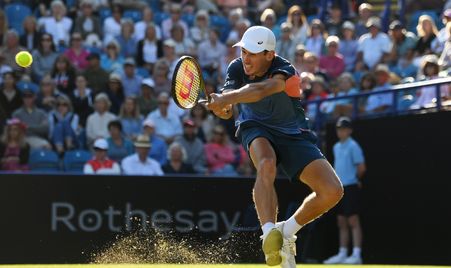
{"x":143,"y":72}
{"x":74,"y":160}
{"x":135,"y":15}
{"x":70,"y":3}
{"x":189,"y":19}
{"x":16,"y":14}
{"x":159,"y":17}
{"x":104,"y":13}
{"x":44,"y":160}
{"x":221,"y":23}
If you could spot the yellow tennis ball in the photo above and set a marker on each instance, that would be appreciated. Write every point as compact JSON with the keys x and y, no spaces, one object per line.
{"x":24,"y":59}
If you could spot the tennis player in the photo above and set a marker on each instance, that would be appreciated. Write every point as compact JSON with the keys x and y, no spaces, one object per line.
{"x":273,"y":129}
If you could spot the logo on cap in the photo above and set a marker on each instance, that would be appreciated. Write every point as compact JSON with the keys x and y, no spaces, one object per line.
{"x":260,"y":42}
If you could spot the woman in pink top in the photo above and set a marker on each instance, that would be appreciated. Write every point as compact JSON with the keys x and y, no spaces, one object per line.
{"x":220,"y":154}
{"x":76,"y":53}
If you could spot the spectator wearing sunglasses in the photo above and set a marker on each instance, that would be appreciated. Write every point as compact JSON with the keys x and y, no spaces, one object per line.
{"x":167,"y":125}
{"x":63,"y":125}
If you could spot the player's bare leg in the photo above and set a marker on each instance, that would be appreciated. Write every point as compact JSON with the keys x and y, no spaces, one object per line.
{"x":265,"y":198}
{"x":327,"y":191}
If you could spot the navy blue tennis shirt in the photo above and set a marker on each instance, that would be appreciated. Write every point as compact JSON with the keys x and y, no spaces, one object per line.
{"x":281,"y":111}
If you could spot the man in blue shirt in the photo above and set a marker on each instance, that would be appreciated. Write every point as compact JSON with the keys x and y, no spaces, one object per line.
{"x":159,"y":148}
{"x":272,"y":128}
{"x":350,"y":167}
{"x":130,"y":79}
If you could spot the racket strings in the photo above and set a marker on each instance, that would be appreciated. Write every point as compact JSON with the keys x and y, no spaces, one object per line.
{"x":188,"y":84}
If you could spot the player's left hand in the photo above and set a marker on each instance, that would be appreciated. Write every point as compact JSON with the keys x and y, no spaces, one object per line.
{"x":216,"y":103}
{"x":218,"y":106}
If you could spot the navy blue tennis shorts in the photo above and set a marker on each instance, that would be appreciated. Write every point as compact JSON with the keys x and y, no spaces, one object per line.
{"x":293,"y":152}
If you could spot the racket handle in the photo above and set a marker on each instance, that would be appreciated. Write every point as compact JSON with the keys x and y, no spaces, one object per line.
{"x":202,"y":101}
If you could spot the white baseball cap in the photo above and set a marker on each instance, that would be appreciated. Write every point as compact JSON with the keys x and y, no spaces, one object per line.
{"x":257,"y":39}
{"x":148,"y":82}
{"x":101,"y":144}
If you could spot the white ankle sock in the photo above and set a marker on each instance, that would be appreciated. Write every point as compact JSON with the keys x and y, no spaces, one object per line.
{"x":356,"y":251}
{"x":291,"y":227}
{"x":267,"y":227}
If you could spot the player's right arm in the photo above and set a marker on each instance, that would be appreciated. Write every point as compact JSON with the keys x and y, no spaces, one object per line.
{"x":236,"y":92}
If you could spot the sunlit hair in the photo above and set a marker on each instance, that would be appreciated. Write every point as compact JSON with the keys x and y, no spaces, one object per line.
{"x":5,"y":135}
{"x":29,"y":19}
{"x":64,"y":99}
{"x":430,"y":60}
{"x":370,"y":77}
{"x":420,"y":29}
{"x":347,"y":76}
{"x":127,"y":23}
{"x":269,"y":12}
{"x":320,"y":25}
{"x":60,"y":3}
{"x":202,"y":13}
{"x":302,"y":19}
{"x":176,"y":145}
{"x":149,"y":26}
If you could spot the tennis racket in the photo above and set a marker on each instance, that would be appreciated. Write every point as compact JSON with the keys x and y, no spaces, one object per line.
{"x":187,"y":83}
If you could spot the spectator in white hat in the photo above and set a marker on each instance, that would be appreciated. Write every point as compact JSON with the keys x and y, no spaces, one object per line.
{"x":147,"y":100}
{"x":332,"y":62}
{"x":140,"y":163}
{"x":375,"y":45}
{"x":100,"y":163}
{"x":58,"y":25}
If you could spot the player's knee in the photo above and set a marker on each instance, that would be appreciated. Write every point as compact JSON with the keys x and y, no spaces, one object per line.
{"x":333,"y":192}
{"x":267,"y":168}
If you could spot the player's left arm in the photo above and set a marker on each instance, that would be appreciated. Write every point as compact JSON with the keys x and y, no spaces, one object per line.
{"x":255,"y":91}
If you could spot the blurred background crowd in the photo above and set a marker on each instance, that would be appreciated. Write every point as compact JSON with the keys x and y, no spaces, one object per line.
{"x":97,"y":97}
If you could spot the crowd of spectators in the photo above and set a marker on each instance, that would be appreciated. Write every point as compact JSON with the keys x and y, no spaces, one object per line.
{"x":101,"y":75}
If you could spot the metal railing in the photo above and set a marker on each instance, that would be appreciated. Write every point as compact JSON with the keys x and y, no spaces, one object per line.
{"x":396,"y":91}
